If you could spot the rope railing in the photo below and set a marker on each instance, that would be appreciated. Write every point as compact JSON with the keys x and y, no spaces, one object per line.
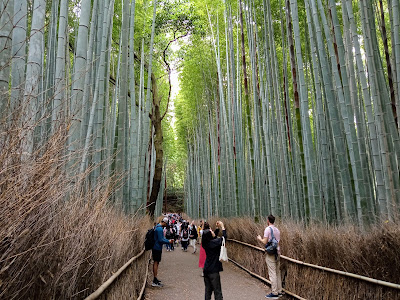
{"x":348,"y":274}
{"x":106,"y":284}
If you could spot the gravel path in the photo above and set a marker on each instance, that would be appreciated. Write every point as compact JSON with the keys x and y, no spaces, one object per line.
{"x":182,"y":280}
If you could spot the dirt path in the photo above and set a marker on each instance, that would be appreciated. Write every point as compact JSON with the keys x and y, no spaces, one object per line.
{"x":182,"y":280}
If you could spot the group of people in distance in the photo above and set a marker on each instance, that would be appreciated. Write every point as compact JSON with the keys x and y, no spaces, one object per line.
{"x":174,"y":229}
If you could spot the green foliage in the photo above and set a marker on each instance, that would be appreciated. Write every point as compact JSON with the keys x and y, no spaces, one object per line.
{"x":177,"y":18}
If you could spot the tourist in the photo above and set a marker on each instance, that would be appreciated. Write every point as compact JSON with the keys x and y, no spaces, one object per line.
{"x":193,"y":236}
{"x":184,"y":236}
{"x":159,"y":240}
{"x":200,"y":227}
{"x":273,"y":260}
{"x":178,"y":231}
{"x":170,"y":235}
{"x":202,"y":255}
{"x":212,"y":266}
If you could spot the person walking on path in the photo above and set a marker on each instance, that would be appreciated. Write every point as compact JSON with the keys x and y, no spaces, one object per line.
{"x":170,"y":235}
{"x":273,"y":260}
{"x":184,"y":237}
{"x":212,"y":266}
{"x":159,"y":240}
{"x":200,"y":227}
{"x":193,"y":236}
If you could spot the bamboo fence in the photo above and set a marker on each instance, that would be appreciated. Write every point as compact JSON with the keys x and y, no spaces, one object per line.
{"x":352,"y":275}
{"x":96,"y":294}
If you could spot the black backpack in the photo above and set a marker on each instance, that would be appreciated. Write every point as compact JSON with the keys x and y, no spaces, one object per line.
{"x":185,"y":234}
{"x":272,"y":246}
{"x":150,"y":240}
{"x":170,"y":234}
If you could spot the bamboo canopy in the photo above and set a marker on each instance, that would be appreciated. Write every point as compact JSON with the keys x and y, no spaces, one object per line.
{"x":319,"y":143}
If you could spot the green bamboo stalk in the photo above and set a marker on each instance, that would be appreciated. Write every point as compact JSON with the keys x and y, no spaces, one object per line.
{"x":307,"y":138}
{"x":18,"y":52}
{"x":373,"y":130}
{"x":59,"y":83}
{"x":33,"y":73}
{"x":6,"y":28}
{"x":78,"y":77}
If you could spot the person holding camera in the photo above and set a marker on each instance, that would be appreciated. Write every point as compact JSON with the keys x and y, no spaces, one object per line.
{"x":212,"y":266}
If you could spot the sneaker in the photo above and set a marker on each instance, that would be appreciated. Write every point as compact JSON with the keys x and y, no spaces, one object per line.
{"x":157,"y":284}
{"x":156,"y":280}
{"x":272,"y":296}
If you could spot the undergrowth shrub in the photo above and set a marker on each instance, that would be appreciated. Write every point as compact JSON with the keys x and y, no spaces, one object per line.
{"x":56,"y":241}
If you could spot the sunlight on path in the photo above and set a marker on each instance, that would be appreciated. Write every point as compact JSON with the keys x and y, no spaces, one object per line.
{"x":182,"y":280}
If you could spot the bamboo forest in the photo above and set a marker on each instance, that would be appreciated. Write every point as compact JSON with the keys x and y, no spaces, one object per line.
{"x":115,"y":112}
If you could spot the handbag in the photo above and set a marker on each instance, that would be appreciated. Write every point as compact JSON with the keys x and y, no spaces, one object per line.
{"x":223,"y":255}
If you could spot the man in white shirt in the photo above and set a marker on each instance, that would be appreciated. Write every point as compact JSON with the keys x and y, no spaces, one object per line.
{"x":273,"y":260}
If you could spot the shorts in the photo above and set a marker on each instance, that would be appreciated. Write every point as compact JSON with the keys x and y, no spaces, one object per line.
{"x":156,"y":255}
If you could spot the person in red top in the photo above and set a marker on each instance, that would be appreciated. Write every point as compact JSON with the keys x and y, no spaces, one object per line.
{"x":272,"y":260}
{"x":202,"y":256}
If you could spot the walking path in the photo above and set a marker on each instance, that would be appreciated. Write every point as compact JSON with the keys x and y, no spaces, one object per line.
{"x":182,"y":280}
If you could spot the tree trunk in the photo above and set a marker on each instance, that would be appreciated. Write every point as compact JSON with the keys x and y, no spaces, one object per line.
{"x":388,"y":63}
{"x":158,"y":144}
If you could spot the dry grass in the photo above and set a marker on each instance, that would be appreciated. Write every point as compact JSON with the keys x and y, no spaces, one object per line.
{"x":374,"y":254}
{"x":53,"y":248}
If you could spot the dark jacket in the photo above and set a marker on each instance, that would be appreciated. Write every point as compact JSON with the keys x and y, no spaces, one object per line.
{"x":213,"y":248}
{"x":170,"y":234}
{"x":193,"y":232}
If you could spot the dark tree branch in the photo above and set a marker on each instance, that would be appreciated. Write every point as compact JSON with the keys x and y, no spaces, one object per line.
{"x":169,"y":68}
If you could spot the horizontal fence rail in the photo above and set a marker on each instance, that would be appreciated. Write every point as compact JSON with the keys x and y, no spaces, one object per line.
{"x":106,"y":284}
{"x":352,"y":275}
{"x":265,"y":280}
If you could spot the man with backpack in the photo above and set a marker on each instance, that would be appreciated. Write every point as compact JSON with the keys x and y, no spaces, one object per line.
{"x":170,"y":235}
{"x":271,"y":240}
{"x":159,"y":241}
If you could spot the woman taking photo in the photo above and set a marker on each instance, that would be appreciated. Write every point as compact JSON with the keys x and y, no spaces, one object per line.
{"x":212,"y":266}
